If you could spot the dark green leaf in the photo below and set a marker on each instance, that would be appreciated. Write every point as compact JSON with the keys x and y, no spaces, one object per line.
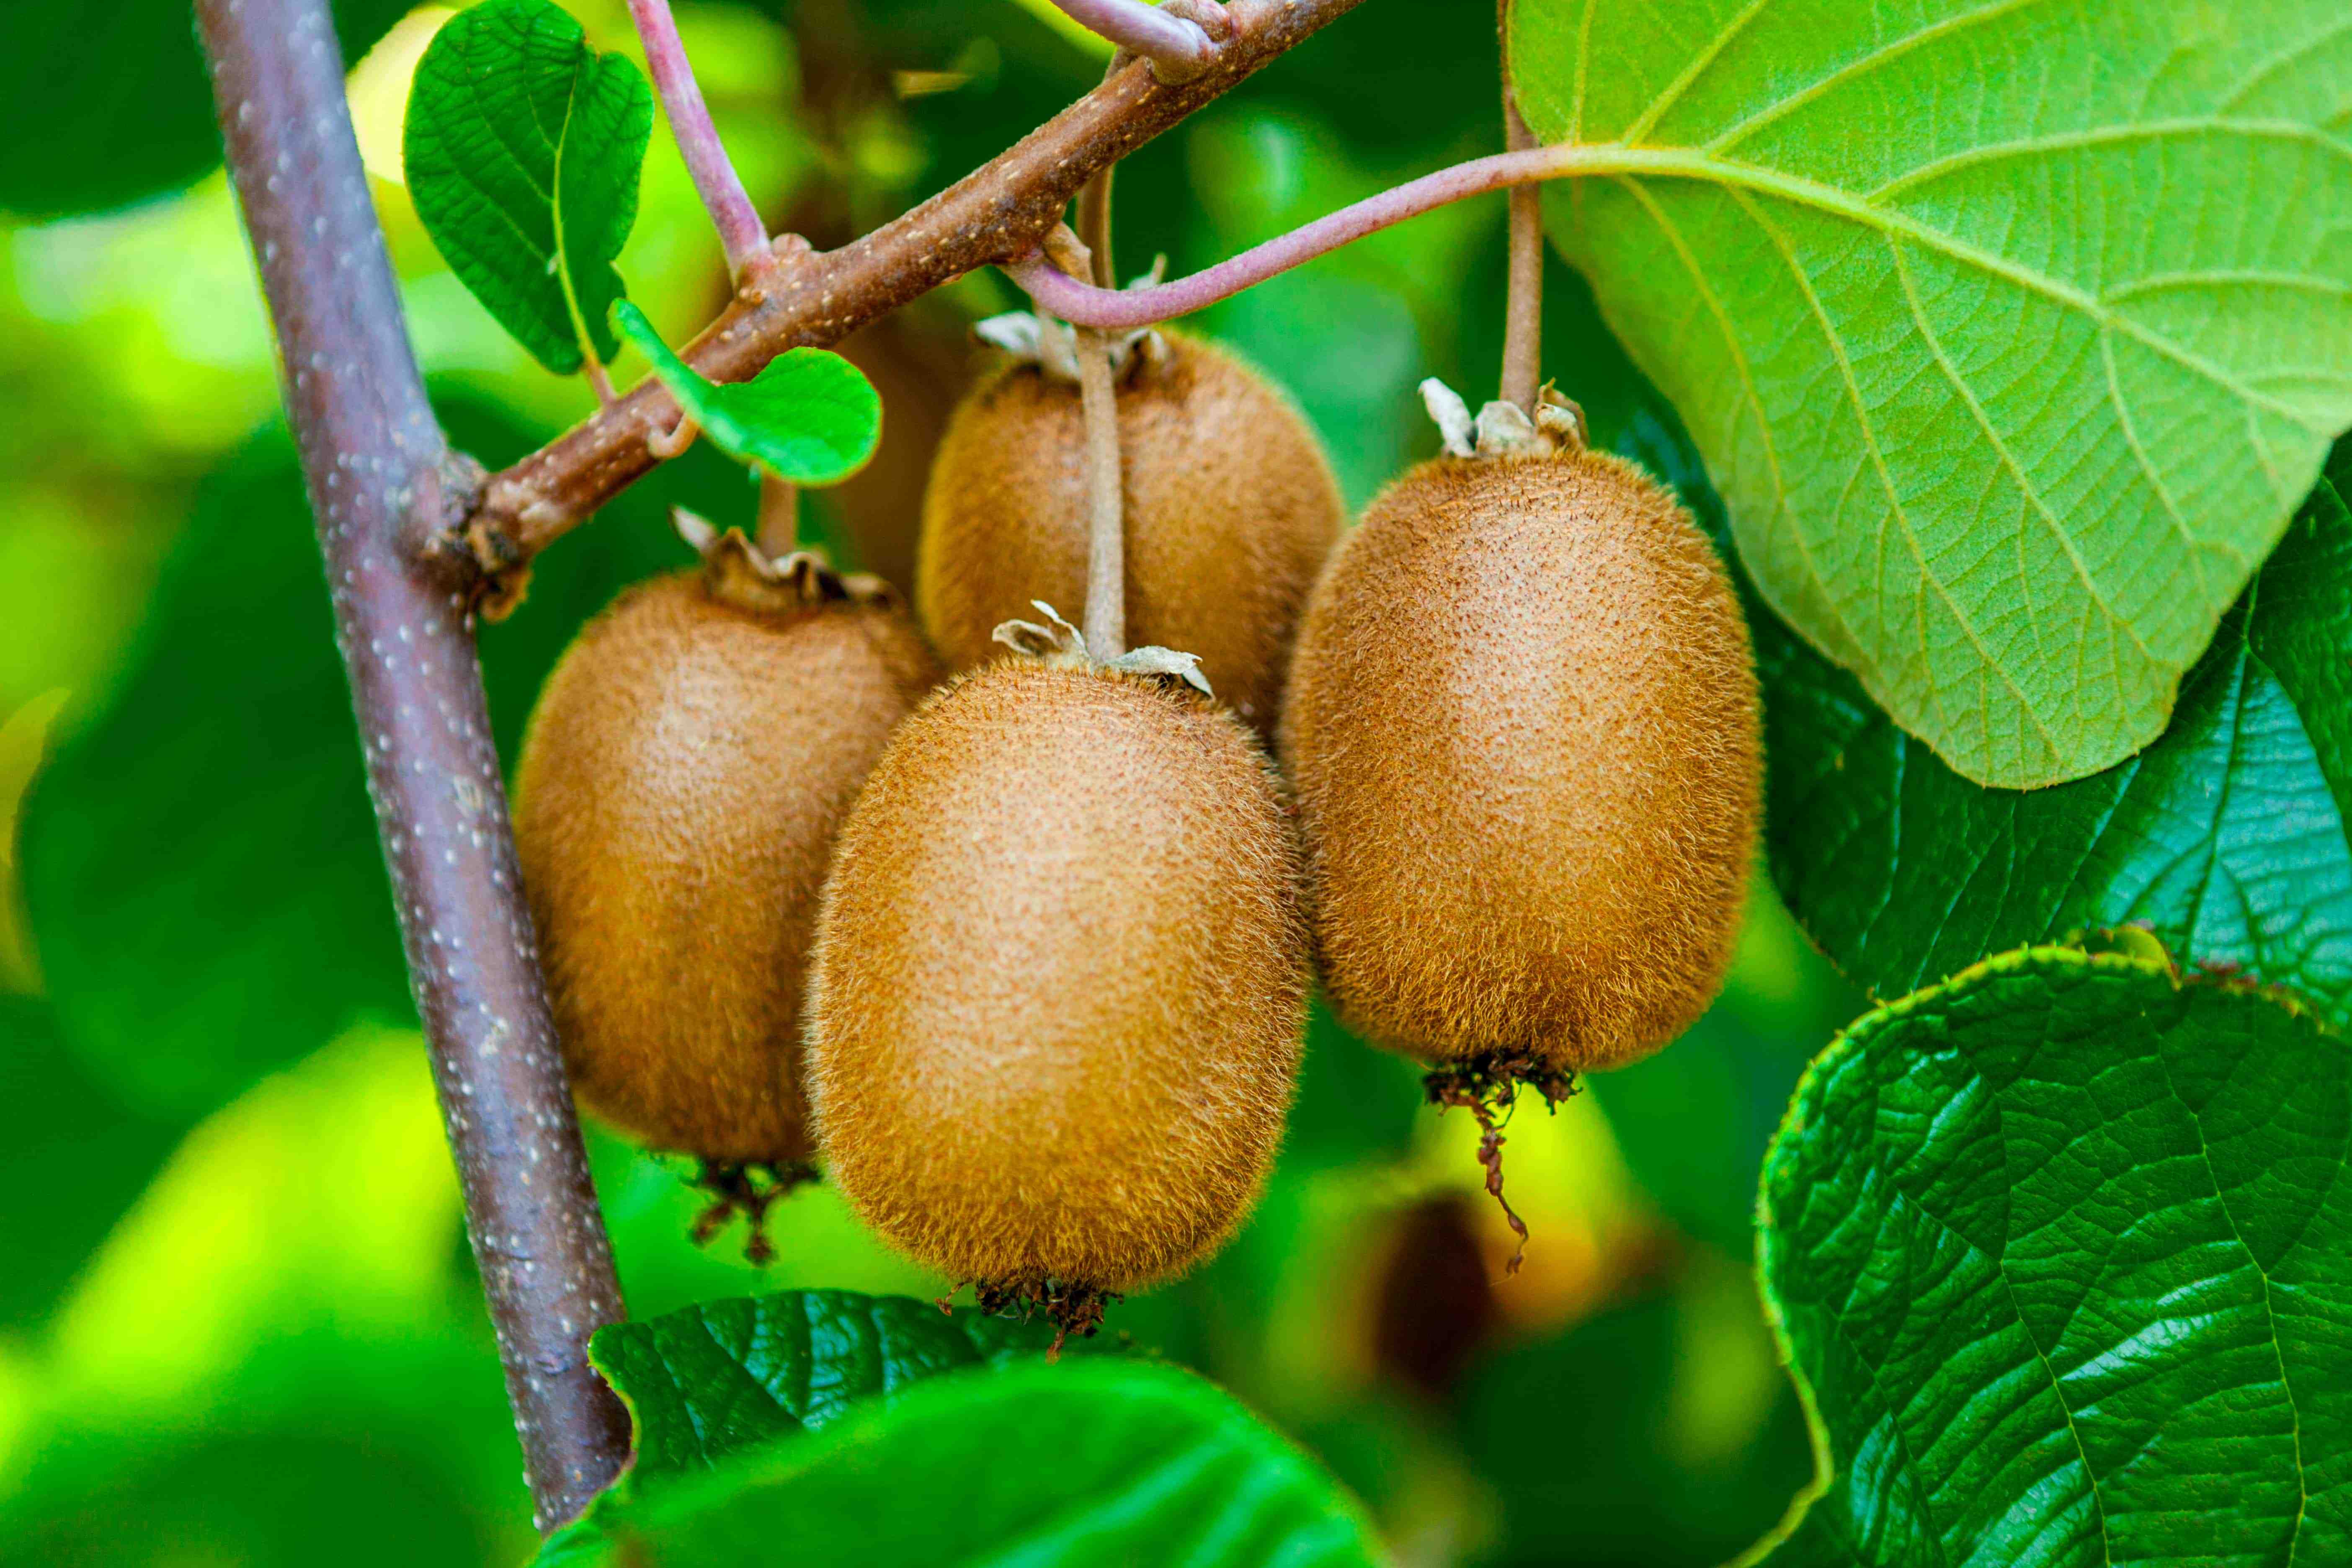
{"x":2230,"y":837}
{"x":810,"y":416}
{"x":1693,"y":1121}
{"x":200,"y":863}
{"x":716,"y":1378}
{"x":1580,"y":1436}
{"x":523,"y":148}
{"x":103,"y":103}
{"x":72,"y":1158}
{"x":1086,"y":1463}
{"x":2062,"y":1254}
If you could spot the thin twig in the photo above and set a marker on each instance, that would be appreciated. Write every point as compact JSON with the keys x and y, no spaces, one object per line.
{"x":1523,"y":299}
{"x":1176,"y":47}
{"x":779,"y":516}
{"x":715,"y":180}
{"x":1123,"y":310}
{"x":998,"y":213}
{"x":1094,"y":227}
{"x":1105,"y":520}
{"x":381,"y":481}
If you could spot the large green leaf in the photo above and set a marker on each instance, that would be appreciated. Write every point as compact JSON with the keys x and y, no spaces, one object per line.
{"x":201,"y":866}
{"x":810,"y":416}
{"x":1084,"y":1463}
{"x":72,"y":1158}
{"x":2013,"y":332}
{"x":2061,"y":1254}
{"x":718,"y":1377}
{"x":2230,"y":837}
{"x":105,"y":101}
{"x":523,"y":147}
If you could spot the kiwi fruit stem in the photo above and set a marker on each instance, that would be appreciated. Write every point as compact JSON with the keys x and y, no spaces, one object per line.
{"x":1107,"y":546}
{"x":1094,"y":227}
{"x":1523,"y":306}
{"x":779,"y":516}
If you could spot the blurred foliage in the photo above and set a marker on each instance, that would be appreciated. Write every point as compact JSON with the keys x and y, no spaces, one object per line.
{"x":238,"y":1314}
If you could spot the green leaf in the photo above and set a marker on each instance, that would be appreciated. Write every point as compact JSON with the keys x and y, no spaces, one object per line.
{"x":523,"y":148}
{"x":2062,"y":1256}
{"x":103,"y":103}
{"x":200,"y":863}
{"x":718,"y":1377}
{"x":72,"y":1158}
{"x":2011,"y":386}
{"x":1084,"y":1463}
{"x":810,"y":416}
{"x":2230,"y":837}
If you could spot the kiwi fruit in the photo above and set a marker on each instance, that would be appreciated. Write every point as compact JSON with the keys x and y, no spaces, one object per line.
{"x":1230,"y":510}
{"x":1522,"y":728}
{"x":1056,"y":1010}
{"x":681,"y":782}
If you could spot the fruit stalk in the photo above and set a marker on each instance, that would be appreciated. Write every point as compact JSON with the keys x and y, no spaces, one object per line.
{"x":1106,"y":626}
{"x":779,"y":516}
{"x":999,"y":212}
{"x":715,"y":180}
{"x":1523,"y":301}
{"x":381,"y":484}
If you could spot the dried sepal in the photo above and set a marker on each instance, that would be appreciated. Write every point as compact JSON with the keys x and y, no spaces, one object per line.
{"x":735,"y":570}
{"x":1052,"y":345}
{"x":1056,"y":641}
{"x":1502,"y":430}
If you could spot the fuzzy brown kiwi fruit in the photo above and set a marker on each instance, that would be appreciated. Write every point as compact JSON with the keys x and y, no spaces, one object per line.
{"x":1056,"y":1010}
{"x":682,"y":779}
{"x":1230,"y":510}
{"x":1522,"y":727}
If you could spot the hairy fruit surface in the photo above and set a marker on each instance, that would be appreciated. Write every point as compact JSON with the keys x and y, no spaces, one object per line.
{"x":1522,"y":726}
{"x":1230,"y":510}
{"x":1056,"y":1011}
{"x":684,"y":775}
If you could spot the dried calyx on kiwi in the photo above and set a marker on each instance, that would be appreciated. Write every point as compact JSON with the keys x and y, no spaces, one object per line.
{"x":1229,"y":506}
{"x":673,"y":883}
{"x":1060,"y":979}
{"x":1522,"y":731}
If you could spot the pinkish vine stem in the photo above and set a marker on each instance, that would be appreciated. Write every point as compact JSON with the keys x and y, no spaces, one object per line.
{"x":1123,"y":310}
{"x":715,"y":180}
{"x":1178,"y":47}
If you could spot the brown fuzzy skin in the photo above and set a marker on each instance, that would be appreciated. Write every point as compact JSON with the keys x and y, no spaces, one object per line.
{"x":683,"y":778}
{"x":1522,"y":728}
{"x":1231,"y":509}
{"x":1056,"y":1011}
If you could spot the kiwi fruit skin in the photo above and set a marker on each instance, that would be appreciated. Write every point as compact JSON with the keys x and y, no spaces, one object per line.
{"x":1056,"y":1012}
{"x":1231,"y":509}
{"x":681,"y":782}
{"x":1522,"y":728}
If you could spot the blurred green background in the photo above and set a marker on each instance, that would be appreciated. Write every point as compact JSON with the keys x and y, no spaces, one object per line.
{"x":238,"y":1316}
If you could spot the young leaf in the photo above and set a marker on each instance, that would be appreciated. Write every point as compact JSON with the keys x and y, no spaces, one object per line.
{"x":810,"y":417}
{"x":2011,"y":386}
{"x":2061,"y":1252}
{"x":1080,"y":1464}
{"x":2230,"y":837}
{"x":523,"y":148}
{"x":722,"y":1377}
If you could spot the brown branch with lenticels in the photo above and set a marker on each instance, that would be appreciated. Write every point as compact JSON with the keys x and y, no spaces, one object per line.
{"x":1000,"y":212}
